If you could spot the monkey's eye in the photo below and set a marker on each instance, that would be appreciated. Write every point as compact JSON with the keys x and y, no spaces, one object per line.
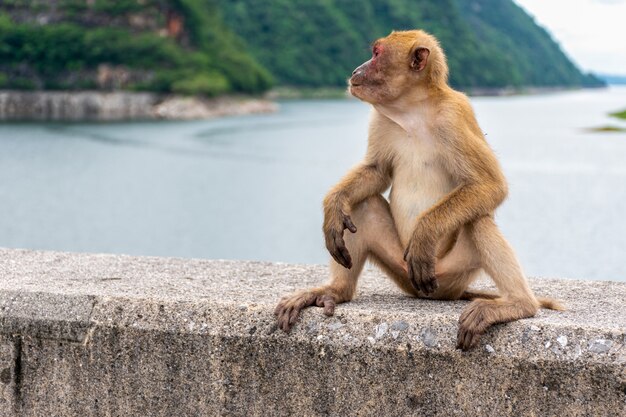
{"x":376,"y":51}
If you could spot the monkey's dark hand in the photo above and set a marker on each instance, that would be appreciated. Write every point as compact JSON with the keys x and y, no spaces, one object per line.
{"x":333,"y":234}
{"x":420,"y":259}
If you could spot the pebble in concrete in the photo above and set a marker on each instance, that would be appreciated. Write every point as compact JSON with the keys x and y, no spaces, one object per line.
{"x":429,"y":337}
{"x":600,"y":346}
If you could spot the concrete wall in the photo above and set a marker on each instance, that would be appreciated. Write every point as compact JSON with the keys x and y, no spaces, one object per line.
{"x":91,"y":335}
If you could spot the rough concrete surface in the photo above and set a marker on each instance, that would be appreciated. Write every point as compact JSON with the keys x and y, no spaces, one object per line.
{"x":91,"y":335}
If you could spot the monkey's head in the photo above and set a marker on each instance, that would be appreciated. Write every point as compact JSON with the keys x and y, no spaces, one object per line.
{"x":400,"y":63}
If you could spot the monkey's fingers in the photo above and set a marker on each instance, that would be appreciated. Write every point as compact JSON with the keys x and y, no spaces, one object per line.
{"x":346,"y":257}
{"x":339,"y":258}
{"x":347,"y":223}
{"x":428,"y":279}
{"x":467,"y":339}
{"x":340,"y":253}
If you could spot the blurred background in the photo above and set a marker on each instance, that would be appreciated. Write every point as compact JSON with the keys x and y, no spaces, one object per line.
{"x":213,"y":128}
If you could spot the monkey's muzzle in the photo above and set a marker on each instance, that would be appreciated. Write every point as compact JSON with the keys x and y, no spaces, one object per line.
{"x":358,"y":75}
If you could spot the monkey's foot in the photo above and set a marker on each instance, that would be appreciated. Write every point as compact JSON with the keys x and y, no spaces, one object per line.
{"x":472,"y":324}
{"x":288,"y":309}
{"x":482,"y":313}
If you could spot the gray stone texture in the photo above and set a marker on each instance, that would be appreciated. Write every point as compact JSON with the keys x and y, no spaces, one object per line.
{"x":92,"y":106}
{"x":91,"y":335}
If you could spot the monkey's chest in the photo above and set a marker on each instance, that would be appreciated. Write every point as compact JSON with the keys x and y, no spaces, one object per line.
{"x":419,"y":181}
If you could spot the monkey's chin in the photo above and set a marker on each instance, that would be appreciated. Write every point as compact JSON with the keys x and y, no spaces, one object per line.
{"x":357,"y":92}
{"x":354,"y":90}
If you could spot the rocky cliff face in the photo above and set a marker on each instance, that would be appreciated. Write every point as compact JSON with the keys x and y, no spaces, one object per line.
{"x":117,"y":106}
{"x":162,"y":46}
{"x":136,"y":16}
{"x":75,"y":106}
{"x":140,"y":15}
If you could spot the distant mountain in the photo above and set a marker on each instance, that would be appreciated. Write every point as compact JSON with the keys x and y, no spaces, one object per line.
{"x":489,"y":43}
{"x":613,"y":79}
{"x":179,"y":46}
{"x":215,"y":47}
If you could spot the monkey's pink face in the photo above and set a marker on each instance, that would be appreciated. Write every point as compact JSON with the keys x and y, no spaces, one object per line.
{"x":369,"y":79}
{"x":385,"y":76}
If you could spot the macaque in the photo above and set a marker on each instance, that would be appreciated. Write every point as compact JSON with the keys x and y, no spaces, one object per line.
{"x":437,"y":232}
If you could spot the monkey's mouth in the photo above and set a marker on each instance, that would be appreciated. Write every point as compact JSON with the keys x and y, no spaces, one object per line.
{"x":355,"y":81}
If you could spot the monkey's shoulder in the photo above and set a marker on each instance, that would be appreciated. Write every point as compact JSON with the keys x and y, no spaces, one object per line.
{"x":455,"y":118}
{"x":454,"y":107}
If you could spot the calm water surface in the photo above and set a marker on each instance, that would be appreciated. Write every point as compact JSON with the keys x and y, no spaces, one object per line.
{"x":251,"y":187}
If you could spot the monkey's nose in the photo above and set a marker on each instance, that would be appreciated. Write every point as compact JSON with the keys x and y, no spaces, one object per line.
{"x":355,"y":71}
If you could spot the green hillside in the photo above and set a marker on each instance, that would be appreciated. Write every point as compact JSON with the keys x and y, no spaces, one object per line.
{"x":213,"y":47}
{"x":490,"y":43}
{"x":157,"y":45}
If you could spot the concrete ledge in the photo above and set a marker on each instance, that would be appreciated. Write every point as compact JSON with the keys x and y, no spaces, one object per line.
{"x":116,"y":335}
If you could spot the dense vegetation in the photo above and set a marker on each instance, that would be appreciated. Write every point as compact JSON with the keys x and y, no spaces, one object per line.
{"x":489,"y":43}
{"x":208,"y":59}
{"x":234,"y":45}
{"x":620,"y":114}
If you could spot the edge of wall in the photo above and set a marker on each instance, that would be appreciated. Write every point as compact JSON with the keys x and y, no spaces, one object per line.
{"x":119,"y":335}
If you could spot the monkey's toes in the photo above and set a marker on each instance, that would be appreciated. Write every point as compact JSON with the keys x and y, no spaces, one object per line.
{"x":472,"y":324}
{"x":283,"y":313}
{"x":328,"y":302}
{"x":467,"y":338}
{"x":288,"y":309}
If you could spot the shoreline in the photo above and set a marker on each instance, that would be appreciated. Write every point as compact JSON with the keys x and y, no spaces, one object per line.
{"x":296,"y":93}
{"x":118,"y":106}
{"x":97,"y":106}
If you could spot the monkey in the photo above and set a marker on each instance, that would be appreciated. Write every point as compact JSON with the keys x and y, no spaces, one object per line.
{"x":436,"y":232}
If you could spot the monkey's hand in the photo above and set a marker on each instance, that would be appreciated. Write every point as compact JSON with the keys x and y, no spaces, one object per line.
{"x":334,"y":225}
{"x":420,"y":259}
{"x":288,"y":309}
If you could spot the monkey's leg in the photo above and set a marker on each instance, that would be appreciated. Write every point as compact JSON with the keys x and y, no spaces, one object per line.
{"x":455,"y":269}
{"x":515,"y":301}
{"x":376,"y":236}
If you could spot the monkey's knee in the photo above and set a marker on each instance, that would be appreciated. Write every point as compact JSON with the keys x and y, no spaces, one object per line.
{"x":370,"y":207}
{"x":452,"y":286}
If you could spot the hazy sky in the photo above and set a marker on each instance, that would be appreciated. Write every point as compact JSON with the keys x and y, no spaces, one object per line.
{"x":591,"y":32}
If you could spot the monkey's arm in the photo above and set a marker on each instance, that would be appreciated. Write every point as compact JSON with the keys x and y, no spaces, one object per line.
{"x":367,"y":179}
{"x":481,"y":189}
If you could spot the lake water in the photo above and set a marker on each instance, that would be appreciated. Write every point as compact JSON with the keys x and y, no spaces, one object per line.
{"x":251,"y":187}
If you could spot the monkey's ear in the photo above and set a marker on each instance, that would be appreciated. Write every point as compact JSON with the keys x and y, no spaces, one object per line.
{"x":419,"y":58}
